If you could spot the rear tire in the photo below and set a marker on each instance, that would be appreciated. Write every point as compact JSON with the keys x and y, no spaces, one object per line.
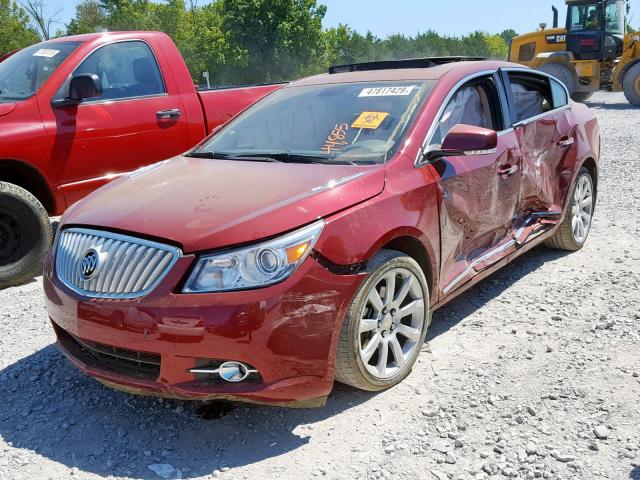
{"x":631,"y":85}
{"x":562,"y":73}
{"x":574,"y":229}
{"x":385,"y":326}
{"x":25,"y":235}
{"x":581,"y":96}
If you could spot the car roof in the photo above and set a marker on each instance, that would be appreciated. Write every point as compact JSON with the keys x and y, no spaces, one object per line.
{"x":462,"y":69}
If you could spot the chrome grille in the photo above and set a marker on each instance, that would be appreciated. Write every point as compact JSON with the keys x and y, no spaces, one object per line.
{"x":127,"y":267}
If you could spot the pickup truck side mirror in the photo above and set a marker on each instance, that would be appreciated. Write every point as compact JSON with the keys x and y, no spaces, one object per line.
{"x":81,"y":87}
{"x":466,"y":140}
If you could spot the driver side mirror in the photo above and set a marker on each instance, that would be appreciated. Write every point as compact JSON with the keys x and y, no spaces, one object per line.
{"x":81,"y":87}
{"x":466,"y":140}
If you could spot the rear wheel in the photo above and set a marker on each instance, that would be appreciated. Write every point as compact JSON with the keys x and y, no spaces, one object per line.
{"x":385,"y":326}
{"x":574,"y":230}
{"x":25,"y":235}
{"x":562,"y":73}
{"x":632,"y":85}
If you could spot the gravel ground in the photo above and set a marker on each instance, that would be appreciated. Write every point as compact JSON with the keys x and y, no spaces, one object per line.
{"x":532,"y":374}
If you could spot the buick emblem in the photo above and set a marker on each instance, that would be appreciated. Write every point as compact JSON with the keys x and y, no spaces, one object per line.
{"x":90,"y":264}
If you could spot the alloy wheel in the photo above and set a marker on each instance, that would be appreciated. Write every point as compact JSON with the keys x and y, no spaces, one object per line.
{"x":391,"y":323}
{"x":582,"y":209}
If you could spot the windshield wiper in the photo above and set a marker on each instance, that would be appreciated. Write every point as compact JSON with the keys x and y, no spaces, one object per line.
{"x":287,"y":157}
{"x":227,"y":156}
{"x":278,"y":157}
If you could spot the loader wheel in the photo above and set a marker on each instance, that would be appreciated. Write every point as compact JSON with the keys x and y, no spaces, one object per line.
{"x":562,"y":73}
{"x":632,"y":85}
{"x":581,"y":96}
{"x":574,"y":229}
{"x":25,"y":235}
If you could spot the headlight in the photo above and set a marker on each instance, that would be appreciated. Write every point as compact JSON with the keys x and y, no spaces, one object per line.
{"x":255,"y":266}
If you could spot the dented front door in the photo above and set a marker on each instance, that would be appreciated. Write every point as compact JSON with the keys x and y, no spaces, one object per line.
{"x":479,"y":201}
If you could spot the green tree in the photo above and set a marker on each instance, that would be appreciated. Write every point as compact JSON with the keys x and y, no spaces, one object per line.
{"x":508,"y":35}
{"x":89,"y":18}
{"x":271,"y":40}
{"x":15,"y":29}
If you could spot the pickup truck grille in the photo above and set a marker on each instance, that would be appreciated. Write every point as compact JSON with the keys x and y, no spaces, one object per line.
{"x":101,"y":264}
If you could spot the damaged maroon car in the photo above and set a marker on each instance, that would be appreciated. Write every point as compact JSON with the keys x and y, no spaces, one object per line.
{"x":311,"y":238}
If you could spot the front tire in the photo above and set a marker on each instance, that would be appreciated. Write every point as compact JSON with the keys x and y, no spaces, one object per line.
{"x":631,"y":85}
{"x":25,"y":235}
{"x":385,"y":326}
{"x":574,"y":229}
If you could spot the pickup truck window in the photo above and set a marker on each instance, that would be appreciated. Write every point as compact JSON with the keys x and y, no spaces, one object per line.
{"x":23,"y":73}
{"x":126,"y":69}
{"x":337,"y":123}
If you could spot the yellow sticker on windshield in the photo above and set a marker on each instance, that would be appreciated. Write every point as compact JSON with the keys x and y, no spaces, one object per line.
{"x":371,"y":120}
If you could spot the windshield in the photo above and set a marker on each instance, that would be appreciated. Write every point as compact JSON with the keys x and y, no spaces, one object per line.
{"x":337,"y":123}
{"x":585,"y":17}
{"x":615,"y":17}
{"x":23,"y":73}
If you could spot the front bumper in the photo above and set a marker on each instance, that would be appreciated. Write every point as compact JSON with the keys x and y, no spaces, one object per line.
{"x":288,"y":332}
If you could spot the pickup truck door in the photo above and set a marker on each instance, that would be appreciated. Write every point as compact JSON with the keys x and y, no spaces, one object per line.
{"x":479,"y":191}
{"x":138,"y":120}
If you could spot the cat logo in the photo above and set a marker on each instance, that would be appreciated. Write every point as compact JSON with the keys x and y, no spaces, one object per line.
{"x":556,"y":39}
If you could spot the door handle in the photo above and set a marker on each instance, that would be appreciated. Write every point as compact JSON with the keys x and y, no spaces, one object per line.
{"x":165,"y":114}
{"x":507,"y":170}
{"x":566,"y":142}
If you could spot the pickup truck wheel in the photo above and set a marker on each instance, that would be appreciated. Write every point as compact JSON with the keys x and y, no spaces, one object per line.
{"x":631,"y":84}
{"x":574,"y":229}
{"x":562,"y":73}
{"x":385,"y":325}
{"x":25,"y":235}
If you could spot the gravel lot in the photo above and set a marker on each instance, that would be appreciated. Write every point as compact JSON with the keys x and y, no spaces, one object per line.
{"x":532,"y":374}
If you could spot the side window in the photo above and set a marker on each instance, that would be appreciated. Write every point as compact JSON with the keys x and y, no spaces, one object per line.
{"x":126,"y":69}
{"x":476,"y":103}
{"x":531,"y":95}
{"x":559,"y":94}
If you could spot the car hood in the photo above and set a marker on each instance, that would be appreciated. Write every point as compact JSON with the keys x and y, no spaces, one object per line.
{"x":204,"y":204}
{"x":6,"y":108}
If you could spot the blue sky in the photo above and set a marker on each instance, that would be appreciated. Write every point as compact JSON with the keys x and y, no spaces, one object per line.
{"x":453,"y":17}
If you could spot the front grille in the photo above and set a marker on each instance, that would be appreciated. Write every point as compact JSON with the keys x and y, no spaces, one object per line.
{"x":129,"y":363}
{"x":101,"y":264}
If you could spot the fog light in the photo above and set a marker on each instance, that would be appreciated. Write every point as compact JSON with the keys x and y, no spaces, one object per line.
{"x":233,"y":372}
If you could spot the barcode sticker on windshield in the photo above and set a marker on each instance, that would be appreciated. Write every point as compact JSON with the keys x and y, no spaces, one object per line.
{"x":387,"y":91}
{"x":46,"y":52}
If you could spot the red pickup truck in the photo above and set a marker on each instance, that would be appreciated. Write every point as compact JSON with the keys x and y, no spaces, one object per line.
{"x":79,"y":111}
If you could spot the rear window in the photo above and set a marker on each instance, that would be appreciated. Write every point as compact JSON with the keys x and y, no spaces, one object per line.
{"x":355,"y":122}
{"x":559,"y":94}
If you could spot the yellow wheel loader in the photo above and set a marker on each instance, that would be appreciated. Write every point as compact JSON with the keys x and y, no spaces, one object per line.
{"x":593,"y":52}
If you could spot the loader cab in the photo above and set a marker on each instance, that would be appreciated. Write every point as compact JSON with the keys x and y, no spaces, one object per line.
{"x":596,"y":29}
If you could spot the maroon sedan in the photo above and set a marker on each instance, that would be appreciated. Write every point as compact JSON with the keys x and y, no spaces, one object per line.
{"x":311,"y":238}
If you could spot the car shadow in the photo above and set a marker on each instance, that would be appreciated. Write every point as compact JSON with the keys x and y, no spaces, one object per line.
{"x":635,"y":474}
{"x":475,"y":298}
{"x":610,"y":106}
{"x":52,"y":409}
